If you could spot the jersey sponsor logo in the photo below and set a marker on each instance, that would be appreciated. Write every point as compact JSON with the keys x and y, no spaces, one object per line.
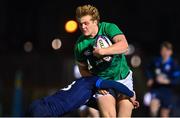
{"x":167,"y":67}
{"x":107,"y":58}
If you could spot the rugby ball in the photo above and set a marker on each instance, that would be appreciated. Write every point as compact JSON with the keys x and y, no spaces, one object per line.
{"x":103,"y":42}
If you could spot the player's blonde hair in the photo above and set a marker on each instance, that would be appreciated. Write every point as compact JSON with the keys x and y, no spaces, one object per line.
{"x":87,"y":10}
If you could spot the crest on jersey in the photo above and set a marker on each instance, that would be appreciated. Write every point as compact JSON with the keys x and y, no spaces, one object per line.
{"x":167,"y":67}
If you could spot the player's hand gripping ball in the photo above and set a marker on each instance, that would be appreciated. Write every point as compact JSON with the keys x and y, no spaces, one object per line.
{"x":103,"y":42}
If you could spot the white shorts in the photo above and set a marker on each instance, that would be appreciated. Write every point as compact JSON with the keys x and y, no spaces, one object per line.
{"x":128,"y":82}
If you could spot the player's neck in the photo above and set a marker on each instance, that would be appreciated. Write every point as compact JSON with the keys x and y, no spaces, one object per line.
{"x":95,"y":32}
{"x":165,"y":59}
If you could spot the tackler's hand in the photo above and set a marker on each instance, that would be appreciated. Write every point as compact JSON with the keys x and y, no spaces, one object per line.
{"x":103,"y":92}
{"x":162,"y":79}
{"x":134,"y":102}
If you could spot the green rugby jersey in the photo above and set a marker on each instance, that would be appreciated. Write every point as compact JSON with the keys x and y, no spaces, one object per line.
{"x":116,"y":69}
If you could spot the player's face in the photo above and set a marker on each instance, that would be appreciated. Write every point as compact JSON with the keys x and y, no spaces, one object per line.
{"x":87,"y":25}
{"x":166,"y":53}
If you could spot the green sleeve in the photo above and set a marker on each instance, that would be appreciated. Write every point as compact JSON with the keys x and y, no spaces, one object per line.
{"x":112,"y":30}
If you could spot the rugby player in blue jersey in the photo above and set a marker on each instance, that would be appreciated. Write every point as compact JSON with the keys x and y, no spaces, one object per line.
{"x":163,"y":73}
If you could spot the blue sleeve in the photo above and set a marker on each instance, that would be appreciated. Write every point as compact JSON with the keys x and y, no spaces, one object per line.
{"x":175,"y":75}
{"x":103,"y":84}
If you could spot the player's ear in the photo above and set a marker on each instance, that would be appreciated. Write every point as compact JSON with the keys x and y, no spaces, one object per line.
{"x":171,"y":52}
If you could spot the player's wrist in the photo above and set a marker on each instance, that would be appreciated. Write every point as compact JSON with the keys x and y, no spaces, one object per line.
{"x":167,"y":81}
{"x":103,"y":51}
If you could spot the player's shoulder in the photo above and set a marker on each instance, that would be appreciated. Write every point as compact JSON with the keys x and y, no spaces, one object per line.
{"x":80,"y":38}
{"x":174,"y":61}
{"x":79,"y":41}
{"x":109,"y":26}
{"x":105,"y":24}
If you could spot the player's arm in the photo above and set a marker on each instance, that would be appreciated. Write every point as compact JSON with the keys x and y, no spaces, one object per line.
{"x":120,"y":46}
{"x":175,"y":77}
{"x":176,"y":80}
{"x":83,"y":69}
{"x":175,"y":74}
{"x":121,"y":88}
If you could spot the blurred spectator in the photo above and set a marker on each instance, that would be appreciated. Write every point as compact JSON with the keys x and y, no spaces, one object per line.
{"x":162,"y":73}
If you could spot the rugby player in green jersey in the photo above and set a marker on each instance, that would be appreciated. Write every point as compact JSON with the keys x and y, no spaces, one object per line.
{"x":116,"y":68}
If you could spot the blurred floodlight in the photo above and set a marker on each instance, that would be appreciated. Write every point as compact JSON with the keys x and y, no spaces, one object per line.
{"x":131,"y":49}
{"x":56,"y":44}
{"x":135,"y":61}
{"x":28,"y":46}
{"x":77,"y":74}
{"x":71,"y":26}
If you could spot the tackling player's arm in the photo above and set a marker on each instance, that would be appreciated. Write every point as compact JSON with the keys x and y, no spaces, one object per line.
{"x":120,"y":46}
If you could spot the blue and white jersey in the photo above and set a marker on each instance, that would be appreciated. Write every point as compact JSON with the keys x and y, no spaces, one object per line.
{"x":169,"y":69}
{"x":73,"y":96}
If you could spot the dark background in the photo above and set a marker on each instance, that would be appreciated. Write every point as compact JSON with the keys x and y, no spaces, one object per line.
{"x":146,"y":24}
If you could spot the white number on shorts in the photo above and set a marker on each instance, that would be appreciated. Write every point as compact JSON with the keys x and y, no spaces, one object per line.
{"x":69,"y":86}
